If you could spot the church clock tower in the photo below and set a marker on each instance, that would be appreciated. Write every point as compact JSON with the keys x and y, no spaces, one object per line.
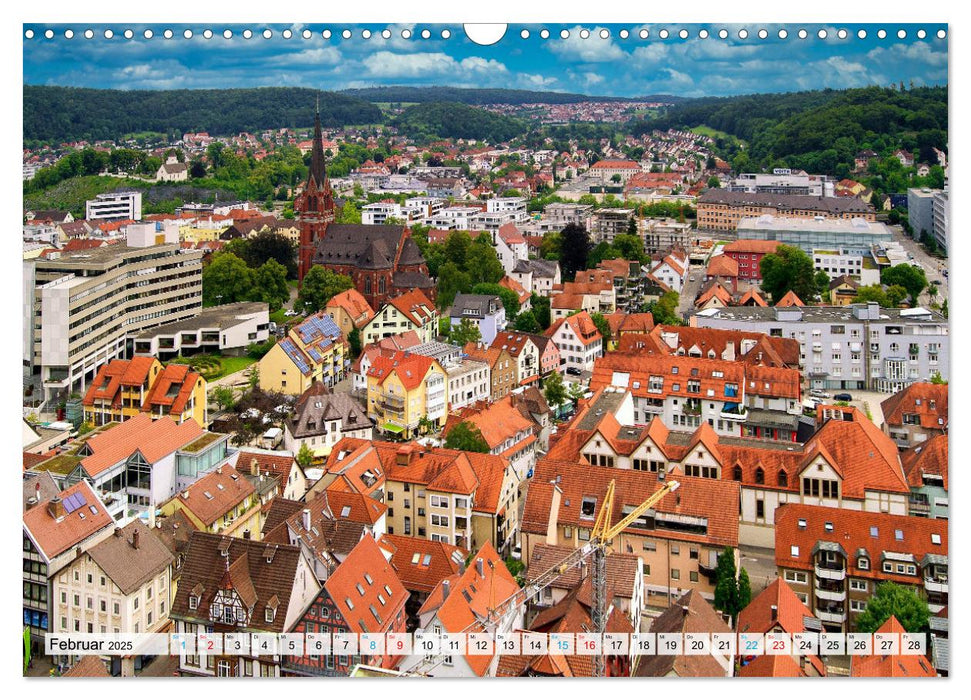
{"x":314,"y":207}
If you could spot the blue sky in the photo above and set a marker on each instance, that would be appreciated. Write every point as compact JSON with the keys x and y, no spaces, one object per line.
{"x":634,"y":66}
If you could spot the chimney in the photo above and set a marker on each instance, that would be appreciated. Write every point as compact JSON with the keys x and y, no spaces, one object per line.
{"x":56,"y":508}
{"x":479,"y":568}
{"x":684,"y":610}
{"x":117,"y":532}
{"x":306,"y":519}
{"x":775,"y":612}
{"x":446,"y":589}
{"x":134,"y":539}
{"x":254,"y":467}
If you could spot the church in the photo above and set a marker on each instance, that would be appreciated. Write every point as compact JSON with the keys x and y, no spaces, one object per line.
{"x":382,"y":261}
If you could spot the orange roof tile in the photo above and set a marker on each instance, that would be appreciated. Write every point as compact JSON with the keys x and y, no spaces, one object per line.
{"x":891,"y":665}
{"x":421,"y":564}
{"x":54,"y":536}
{"x":722,"y":266}
{"x":926,"y":400}
{"x":366,"y":589}
{"x":354,"y":304}
{"x":415,"y":306}
{"x":790,"y":299}
{"x":410,"y":369}
{"x":172,"y":389}
{"x":154,"y":439}
{"x":749,"y":245}
{"x":497,"y":421}
{"x":215,"y":494}
{"x":926,"y":459}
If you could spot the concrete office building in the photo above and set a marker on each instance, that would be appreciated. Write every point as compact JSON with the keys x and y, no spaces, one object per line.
{"x":81,"y":308}
{"x":115,"y":205}
{"x":860,"y":346}
{"x":783,"y":181}
{"x":920,"y":210}
{"x":856,"y":234}
{"x":939,"y":221}
{"x":227,"y":329}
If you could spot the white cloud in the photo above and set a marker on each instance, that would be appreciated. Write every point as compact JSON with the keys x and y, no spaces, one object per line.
{"x":387,"y":64}
{"x":593,"y":49}
{"x":323,"y":56}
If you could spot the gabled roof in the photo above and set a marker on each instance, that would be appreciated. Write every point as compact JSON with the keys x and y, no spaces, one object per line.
{"x":354,"y":304}
{"x":83,"y":516}
{"x":132,"y":556}
{"x":471,"y":597}
{"x":790,"y":299}
{"x":319,"y":405}
{"x":512,"y":342}
{"x":172,"y":389}
{"x":752,"y":298}
{"x":749,"y":245}
{"x":854,"y":530}
{"x":366,"y":590}
{"x":714,"y":290}
{"x":263,"y":575}
{"x":497,"y":421}
{"x":926,"y":400}
{"x":415,"y":306}
{"x":421,"y":564}
{"x":891,"y":665}
{"x":690,"y":613}
{"x":410,"y":369}
{"x":153,"y":439}
{"x":789,"y":615}
{"x":926,"y":459}
{"x":215,"y":494}
{"x":116,"y":374}
{"x":722,"y":266}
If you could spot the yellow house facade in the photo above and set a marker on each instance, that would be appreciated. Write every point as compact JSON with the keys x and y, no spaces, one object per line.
{"x":313,"y":351}
{"x":404,"y":388}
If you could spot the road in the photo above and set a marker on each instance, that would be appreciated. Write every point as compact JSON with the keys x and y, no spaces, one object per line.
{"x":933,"y":267}
{"x":691,"y":289}
{"x":759,"y":563}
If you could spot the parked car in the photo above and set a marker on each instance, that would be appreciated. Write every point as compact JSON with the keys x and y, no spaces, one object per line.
{"x":574,"y":371}
{"x":819,"y":393}
{"x":843,"y":397}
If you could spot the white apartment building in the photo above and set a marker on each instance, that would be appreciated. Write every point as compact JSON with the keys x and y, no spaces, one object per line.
{"x":82,"y":307}
{"x":846,"y":261}
{"x":115,"y":205}
{"x":454,"y":218}
{"x":783,"y":181}
{"x":513,"y":207}
{"x":468,"y":381}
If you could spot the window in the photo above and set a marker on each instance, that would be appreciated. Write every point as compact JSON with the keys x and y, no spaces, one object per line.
{"x":759,"y":475}
{"x":858,"y":585}
{"x":193,"y":603}
{"x":796,"y":576}
{"x":760,"y":509}
{"x":794,"y":551}
{"x":587,"y":506}
{"x":693,"y":576}
{"x":783,"y":478}
{"x":887,"y":567}
{"x":675,"y":574}
{"x":863,"y":563}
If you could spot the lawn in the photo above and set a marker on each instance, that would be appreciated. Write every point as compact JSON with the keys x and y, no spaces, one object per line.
{"x":714,"y":133}
{"x":278,"y":317}
{"x":233,"y":364}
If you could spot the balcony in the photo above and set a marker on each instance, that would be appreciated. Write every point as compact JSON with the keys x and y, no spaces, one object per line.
{"x":937,"y":585}
{"x":691,"y":409}
{"x":831,"y":615}
{"x":835,"y":596}
{"x":831,"y":573}
{"x":736,"y":412}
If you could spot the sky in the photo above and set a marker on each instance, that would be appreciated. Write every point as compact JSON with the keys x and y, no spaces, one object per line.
{"x":613,"y":66}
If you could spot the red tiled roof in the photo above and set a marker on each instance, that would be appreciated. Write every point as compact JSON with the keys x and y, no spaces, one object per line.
{"x":513,"y":343}
{"x":765,"y":666}
{"x":354,"y":304}
{"x":410,"y":369}
{"x":926,"y":458}
{"x":497,"y":421}
{"x":215,"y":494}
{"x":891,"y":665}
{"x":54,"y":537}
{"x":471,"y":597}
{"x":723,"y":266}
{"x":790,"y":299}
{"x":383,"y":597}
{"x":790,"y":612}
{"x":855,"y":530}
{"x":421,"y":564}
{"x":748,"y":245}
{"x":715,"y":500}
{"x":415,"y":306}
{"x":926,"y":400}
{"x":615,"y":164}
{"x":752,"y":296}
{"x":154,"y":439}
{"x":172,"y":389}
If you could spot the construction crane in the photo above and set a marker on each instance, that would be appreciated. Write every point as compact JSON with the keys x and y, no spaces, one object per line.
{"x":601,"y":536}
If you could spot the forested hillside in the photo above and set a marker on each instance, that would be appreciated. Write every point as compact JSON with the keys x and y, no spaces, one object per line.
{"x":57,"y":114}
{"x":454,"y":120}
{"x":484,"y":96}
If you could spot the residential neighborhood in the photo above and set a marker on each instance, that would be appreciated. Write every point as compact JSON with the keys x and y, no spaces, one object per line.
{"x":541,"y":391}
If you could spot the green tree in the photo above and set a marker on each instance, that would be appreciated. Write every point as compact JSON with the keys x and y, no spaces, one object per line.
{"x":602,"y":251}
{"x":540,"y":307}
{"x":665,"y":309}
{"x":319,"y":286}
{"x":630,"y":247}
{"x":269,"y":245}
{"x":713,"y":181}
{"x":936,"y":378}
{"x":910,"y":277}
{"x":304,"y":456}
{"x":788,"y":269}
{"x":451,"y":280}
{"x":603,"y":325}
{"x":574,"y":249}
{"x":349,"y":214}
{"x":197,"y":169}
{"x":226,"y":279}
{"x":526,"y":322}
{"x":899,"y":601}
{"x":744,"y":590}
{"x":871,"y":292}
{"x":554,"y":390}
{"x":465,"y":331}
{"x":726,"y":584}
{"x":510,"y":300}
{"x":467,"y":437}
{"x":549,"y":248}
{"x":270,"y":284}
{"x":85,"y":428}
{"x":576,"y":391}
{"x":354,"y":338}
{"x":224,"y":397}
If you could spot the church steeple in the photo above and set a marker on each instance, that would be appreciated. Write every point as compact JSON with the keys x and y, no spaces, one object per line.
{"x":318,"y":166}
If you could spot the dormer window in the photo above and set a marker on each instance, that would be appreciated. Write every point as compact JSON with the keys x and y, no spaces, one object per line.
{"x":270,"y":614}
{"x":863,"y":563}
{"x":193,"y":602}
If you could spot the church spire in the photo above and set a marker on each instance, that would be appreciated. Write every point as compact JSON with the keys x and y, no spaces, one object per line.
{"x":318,"y":168}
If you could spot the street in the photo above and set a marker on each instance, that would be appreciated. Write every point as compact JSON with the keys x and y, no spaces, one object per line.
{"x":760,"y":565}
{"x":933,"y":267}
{"x":691,"y":289}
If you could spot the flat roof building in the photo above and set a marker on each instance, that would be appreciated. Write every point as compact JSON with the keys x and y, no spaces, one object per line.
{"x":855,"y":234}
